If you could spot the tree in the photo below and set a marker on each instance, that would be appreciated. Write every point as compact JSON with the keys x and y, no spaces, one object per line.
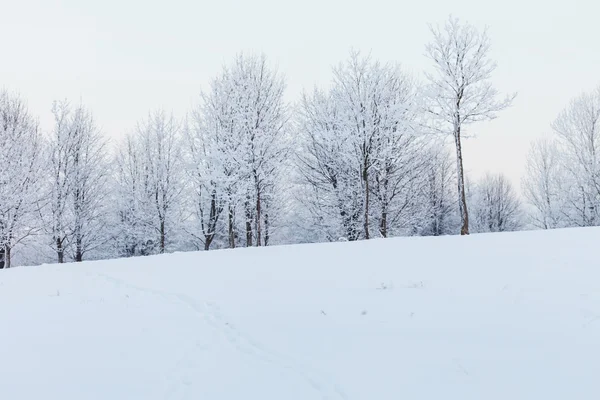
{"x":460,"y":90}
{"x":331,"y":178}
{"x":134,"y":235}
{"x":543,"y":185}
{"x":257,"y":137}
{"x":361,"y":152}
{"x":578,"y":131}
{"x":496,"y":207}
{"x":438,"y":213}
{"x":89,"y":185}
{"x":208,"y":176}
{"x":20,"y":174}
{"x":151,"y":184}
{"x":78,"y":183}
{"x":56,"y":221}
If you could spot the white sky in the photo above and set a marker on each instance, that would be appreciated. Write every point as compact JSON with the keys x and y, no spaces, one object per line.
{"x":125,"y":57}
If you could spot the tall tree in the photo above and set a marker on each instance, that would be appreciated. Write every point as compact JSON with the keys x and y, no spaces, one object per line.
{"x":74,"y":216}
{"x":89,"y":185}
{"x":56,"y":216}
{"x":20,"y":173}
{"x":259,"y":121}
{"x":208,"y":177}
{"x":361,"y":152}
{"x":460,"y":90}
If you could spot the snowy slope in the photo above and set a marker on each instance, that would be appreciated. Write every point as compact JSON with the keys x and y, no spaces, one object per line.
{"x":498,"y":316}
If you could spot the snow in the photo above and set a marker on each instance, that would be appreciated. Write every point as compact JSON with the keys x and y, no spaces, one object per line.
{"x":490,"y":316}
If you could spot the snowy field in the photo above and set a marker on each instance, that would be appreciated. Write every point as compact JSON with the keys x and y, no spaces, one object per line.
{"x":496,"y":316}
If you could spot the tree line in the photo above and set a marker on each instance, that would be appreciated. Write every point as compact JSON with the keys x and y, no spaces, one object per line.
{"x":366,"y":157}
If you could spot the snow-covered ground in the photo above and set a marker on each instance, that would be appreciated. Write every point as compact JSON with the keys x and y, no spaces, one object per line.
{"x":498,"y":316}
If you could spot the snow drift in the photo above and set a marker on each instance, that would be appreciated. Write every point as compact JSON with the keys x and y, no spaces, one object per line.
{"x":495,"y":316}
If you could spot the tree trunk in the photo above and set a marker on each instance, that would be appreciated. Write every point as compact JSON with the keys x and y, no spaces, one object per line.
{"x":365,"y":177}
{"x":7,"y":257}
{"x":3,"y":257}
{"x":258,"y":216}
{"x":462,"y":198}
{"x":60,"y":251}
{"x":231,"y":228}
{"x":78,"y":198}
{"x":248,"y":223}
{"x":78,"y":250}
{"x":382,"y":189}
{"x":162,"y":237}
{"x":212,"y":222}
{"x":258,"y":220}
{"x":266,"y":229}
{"x":383,"y":223}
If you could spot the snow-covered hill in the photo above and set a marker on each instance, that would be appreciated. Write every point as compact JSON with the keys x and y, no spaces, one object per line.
{"x":498,"y":316}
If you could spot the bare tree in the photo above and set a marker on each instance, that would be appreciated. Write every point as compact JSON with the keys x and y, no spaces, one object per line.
{"x":20,"y":173}
{"x":460,"y":88}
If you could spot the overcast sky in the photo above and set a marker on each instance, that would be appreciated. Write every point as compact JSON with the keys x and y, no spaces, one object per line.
{"x":123,"y":58}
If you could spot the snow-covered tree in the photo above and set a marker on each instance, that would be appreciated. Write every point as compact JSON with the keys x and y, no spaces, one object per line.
{"x":55,"y":216}
{"x":495,"y":205}
{"x":331,"y":182}
{"x":543,"y":184}
{"x":74,"y":215}
{"x":578,"y":132}
{"x":460,"y":90}
{"x":89,"y":185}
{"x":209,"y":173}
{"x":236,"y":141}
{"x":257,"y":139}
{"x":438,"y":213}
{"x":150,"y":185}
{"x":20,"y":172}
{"x":134,"y":235}
{"x":360,"y":153}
